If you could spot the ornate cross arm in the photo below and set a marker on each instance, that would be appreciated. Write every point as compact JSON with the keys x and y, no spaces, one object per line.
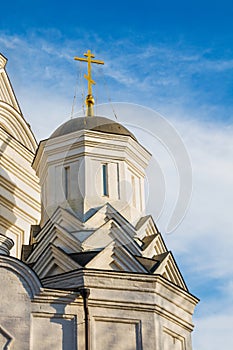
{"x":89,"y":99}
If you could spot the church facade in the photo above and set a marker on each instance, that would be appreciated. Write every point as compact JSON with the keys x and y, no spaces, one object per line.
{"x":88,"y":269}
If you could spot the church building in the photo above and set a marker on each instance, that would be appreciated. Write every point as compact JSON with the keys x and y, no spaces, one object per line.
{"x":82,"y":266}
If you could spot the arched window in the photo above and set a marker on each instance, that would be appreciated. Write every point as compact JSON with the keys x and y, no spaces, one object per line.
{"x":67,"y":182}
{"x":105,"y":179}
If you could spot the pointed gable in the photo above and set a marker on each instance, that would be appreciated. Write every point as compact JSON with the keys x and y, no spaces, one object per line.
{"x":117,"y":258}
{"x":146,"y":227}
{"x":152,"y":264}
{"x":57,"y":236}
{"x":11,"y":118}
{"x":114,"y":245}
{"x":53,"y":262}
{"x":152,"y":245}
{"x":169,"y":270}
{"x":6,"y":92}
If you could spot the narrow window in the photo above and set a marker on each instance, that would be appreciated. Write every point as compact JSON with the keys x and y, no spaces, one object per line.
{"x":67,"y":182}
{"x":118,"y":181}
{"x":45,"y":193}
{"x":140,"y":192}
{"x":105,"y":179}
{"x":133,"y":191}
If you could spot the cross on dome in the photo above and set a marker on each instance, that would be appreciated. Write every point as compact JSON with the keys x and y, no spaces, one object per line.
{"x":89,"y":99}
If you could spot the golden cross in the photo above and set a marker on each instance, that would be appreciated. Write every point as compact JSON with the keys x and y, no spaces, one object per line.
{"x":89,"y":60}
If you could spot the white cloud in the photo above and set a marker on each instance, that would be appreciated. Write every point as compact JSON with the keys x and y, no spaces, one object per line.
{"x":214,"y":332}
{"x":43,"y":75}
{"x":203,"y":242}
{"x":159,"y":75}
{"x":44,"y":78}
{"x":208,"y":226}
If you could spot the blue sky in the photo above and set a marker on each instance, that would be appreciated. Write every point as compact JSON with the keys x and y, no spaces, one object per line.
{"x":177,"y":59}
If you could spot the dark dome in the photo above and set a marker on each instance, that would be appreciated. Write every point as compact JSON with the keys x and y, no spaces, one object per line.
{"x":100,"y":124}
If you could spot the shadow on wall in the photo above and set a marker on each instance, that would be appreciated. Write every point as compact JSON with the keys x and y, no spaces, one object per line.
{"x":59,"y":330}
{"x":7,"y":201}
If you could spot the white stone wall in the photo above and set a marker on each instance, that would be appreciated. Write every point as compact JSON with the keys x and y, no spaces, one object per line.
{"x":84,"y":152}
{"x":19,"y":188}
{"x":133,"y":311}
{"x":19,"y":192}
{"x":127,"y":312}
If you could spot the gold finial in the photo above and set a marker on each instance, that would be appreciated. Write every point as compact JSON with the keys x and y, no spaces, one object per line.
{"x":89,"y":99}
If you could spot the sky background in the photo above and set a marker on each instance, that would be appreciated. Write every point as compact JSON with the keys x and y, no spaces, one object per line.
{"x":173,"y":59}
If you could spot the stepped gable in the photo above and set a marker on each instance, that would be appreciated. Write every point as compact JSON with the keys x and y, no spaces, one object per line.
{"x":113,"y":245}
{"x":96,"y":267}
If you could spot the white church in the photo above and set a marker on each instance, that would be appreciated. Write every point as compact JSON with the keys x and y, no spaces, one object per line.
{"x":82,"y":266}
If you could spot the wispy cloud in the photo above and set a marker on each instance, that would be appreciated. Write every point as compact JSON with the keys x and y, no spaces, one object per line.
{"x":157,"y":75}
{"x":214,"y":331}
{"x":180,"y":83}
{"x":203,"y":242}
{"x":209,"y":224}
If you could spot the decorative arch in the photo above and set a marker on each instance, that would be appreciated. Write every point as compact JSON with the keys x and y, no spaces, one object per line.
{"x":13,"y":122}
{"x":11,"y":118}
{"x":23,"y":272}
